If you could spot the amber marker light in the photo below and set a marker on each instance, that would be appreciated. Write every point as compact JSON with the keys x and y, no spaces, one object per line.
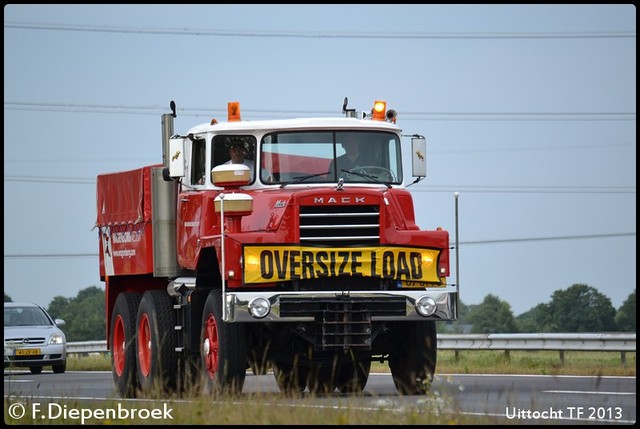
{"x":233,"y":111}
{"x":379,"y":110}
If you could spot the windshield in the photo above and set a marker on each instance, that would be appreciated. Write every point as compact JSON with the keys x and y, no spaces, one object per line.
{"x":25,"y":316}
{"x":327,"y":156}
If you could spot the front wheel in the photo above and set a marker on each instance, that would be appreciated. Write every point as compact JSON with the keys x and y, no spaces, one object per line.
{"x":413,"y":360}
{"x":223,"y":348}
{"x":353,"y":376}
{"x":291,"y":377}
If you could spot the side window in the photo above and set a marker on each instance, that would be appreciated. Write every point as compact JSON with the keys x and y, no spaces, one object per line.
{"x":198,"y":161}
{"x":234,"y":149}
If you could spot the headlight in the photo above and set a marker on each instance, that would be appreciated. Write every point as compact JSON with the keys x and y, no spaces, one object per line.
{"x":426,"y":306}
{"x":259,"y":307}
{"x":56,"y":339}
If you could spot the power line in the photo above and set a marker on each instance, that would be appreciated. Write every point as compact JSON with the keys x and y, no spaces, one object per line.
{"x":508,"y":240}
{"x":319,"y":35}
{"x":271,"y":113}
{"x":531,"y":189}
{"x":50,"y":255}
{"x":65,"y":180}
{"x":567,"y":237}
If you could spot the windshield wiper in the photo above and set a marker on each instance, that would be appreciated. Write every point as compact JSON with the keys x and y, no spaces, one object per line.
{"x":298,"y":179}
{"x":367,"y":176}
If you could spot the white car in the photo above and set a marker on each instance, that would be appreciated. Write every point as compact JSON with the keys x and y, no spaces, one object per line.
{"x":33,"y":339}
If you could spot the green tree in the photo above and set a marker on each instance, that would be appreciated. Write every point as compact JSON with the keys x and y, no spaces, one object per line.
{"x":7,"y":298}
{"x":84,"y":315}
{"x":580,"y":308}
{"x":491,"y":316}
{"x":626,"y":315}
{"x":57,"y":307}
{"x":538,"y":319}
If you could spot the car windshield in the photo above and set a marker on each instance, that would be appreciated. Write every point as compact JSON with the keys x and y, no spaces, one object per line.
{"x":25,"y":316}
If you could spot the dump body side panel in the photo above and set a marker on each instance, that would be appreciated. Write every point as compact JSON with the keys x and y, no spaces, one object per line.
{"x":124,"y":222}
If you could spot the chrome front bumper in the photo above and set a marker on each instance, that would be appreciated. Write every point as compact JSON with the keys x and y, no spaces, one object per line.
{"x":237,"y":304}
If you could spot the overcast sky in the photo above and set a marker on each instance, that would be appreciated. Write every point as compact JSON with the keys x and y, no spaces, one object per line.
{"x":529,"y":112}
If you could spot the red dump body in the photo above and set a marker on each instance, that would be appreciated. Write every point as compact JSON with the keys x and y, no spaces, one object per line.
{"x":124,"y":222}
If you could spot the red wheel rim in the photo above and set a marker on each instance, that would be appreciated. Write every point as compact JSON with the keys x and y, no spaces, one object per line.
{"x":144,"y":345}
{"x":211,"y":346}
{"x":117,"y":347}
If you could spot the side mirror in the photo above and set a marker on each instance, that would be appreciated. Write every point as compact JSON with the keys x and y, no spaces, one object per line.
{"x":176,"y":157}
{"x":419,"y":156}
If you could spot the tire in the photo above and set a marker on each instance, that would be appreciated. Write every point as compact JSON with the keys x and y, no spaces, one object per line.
{"x":59,"y":369}
{"x":122,"y":342}
{"x":413,"y":361}
{"x":323,"y":374}
{"x":156,"y":361}
{"x":353,"y":376}
{"x":35,"y":369}
{"x":223,"y":349}
{"x":290,"y":377}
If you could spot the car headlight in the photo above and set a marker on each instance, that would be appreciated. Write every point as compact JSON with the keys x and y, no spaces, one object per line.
{"x":56,"y":339}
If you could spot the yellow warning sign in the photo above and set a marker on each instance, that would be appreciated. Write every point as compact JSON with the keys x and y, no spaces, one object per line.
{"x":264,"y":264}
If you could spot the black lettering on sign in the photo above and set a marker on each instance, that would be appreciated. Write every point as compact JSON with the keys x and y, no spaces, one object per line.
{"x":324,"y":270}
{"x":266,"y":264}
{"x":416,"y":265}
{"x":307,"y":265}
{"x":281,"y":264}
{"x":294,"y":264}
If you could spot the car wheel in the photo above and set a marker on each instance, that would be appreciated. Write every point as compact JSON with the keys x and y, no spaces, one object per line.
{"x":35,"y":369}
{"x":59,"y":369}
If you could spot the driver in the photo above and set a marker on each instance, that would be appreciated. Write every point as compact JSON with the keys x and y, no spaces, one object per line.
{"x":351,"y":157}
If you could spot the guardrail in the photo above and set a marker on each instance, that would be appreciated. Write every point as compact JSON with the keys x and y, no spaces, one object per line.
{"x":558,"y":342}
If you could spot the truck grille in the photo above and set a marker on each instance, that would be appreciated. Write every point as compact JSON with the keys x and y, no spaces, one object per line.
{"x":376,"y":306}
{"x":340,"y":226}
{"x":342,"y":322}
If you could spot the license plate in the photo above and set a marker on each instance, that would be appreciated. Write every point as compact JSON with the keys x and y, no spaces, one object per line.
{"x":27,"y":352}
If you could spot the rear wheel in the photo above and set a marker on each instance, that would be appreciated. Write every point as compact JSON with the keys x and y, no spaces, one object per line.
{"x":155,"y":345}
{"x":413,"y":360}
{"x":35,"y":369}
{"x":122,"y":342}
{"x":223,"y":349}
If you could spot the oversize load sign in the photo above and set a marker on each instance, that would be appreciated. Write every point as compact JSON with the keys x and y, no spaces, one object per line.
{"x":264,"y":264}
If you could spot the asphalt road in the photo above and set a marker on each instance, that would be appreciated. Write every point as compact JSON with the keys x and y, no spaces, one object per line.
{"x":522,"y":399}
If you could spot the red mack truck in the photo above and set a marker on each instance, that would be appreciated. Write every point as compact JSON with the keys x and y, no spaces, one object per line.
{"x":304,"y":260}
